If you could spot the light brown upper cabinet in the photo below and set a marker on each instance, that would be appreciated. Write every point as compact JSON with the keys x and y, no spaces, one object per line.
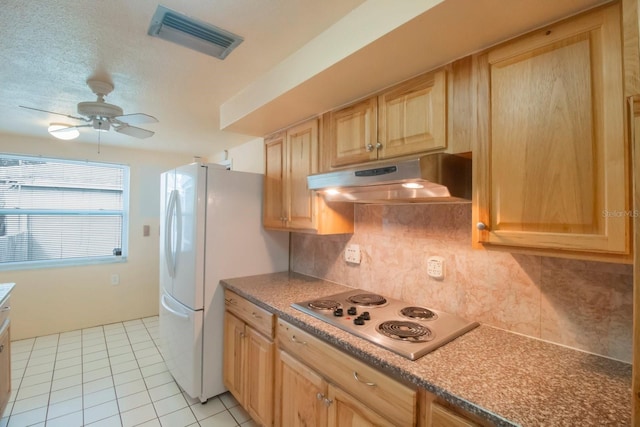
{"x":353,"y":133}
{"x":407,"y":119}
{"x":551,"y":166}
{"x":290,"y":157}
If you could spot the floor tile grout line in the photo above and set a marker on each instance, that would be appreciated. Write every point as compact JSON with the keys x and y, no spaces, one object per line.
{"x":179,"y":388}
{"x":21,"y":378}
{"x":144,"y":382}
{"x":104,"y":336}
{"x":150,"y":329}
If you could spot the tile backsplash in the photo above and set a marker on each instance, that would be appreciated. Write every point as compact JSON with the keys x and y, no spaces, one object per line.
{"x":581,"y":304}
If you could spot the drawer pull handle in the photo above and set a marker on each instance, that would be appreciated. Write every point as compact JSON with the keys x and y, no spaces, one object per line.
{"x":7,"y":308}
{"x":1,"y":348}
{"x":355,"y":375}
{"x":295,"y":340}
{"x":255,"y":316}
{"x":230,"y":301}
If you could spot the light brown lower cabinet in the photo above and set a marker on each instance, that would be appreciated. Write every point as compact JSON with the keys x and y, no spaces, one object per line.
{"x":317,"y":384}
{"x":306,"y":399}
{"x":301,"y":393}
{"x":308,"y":382}
{"x":347,"y":411}
{"x":5,"y":366}
{"x":249,"y":357}
{"x":434,"y":412}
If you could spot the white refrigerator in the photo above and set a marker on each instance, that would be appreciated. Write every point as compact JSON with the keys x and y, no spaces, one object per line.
{"x":210,"y":229}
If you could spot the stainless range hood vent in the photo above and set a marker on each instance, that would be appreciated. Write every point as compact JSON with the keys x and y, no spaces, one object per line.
{"x":433,"y":178}
{"x":188,"y":32}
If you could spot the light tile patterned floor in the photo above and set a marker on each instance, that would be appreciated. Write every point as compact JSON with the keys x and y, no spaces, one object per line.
{"x":107,"y":376}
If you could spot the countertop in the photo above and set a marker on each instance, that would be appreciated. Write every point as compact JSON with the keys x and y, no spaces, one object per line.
{"x":5,"y":290}
{"x":505,"y":378}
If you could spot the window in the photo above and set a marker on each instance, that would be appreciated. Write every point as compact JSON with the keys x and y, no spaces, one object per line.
{"x":59,"y":212}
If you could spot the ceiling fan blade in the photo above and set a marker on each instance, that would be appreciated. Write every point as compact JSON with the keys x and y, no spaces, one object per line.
{"x":53,"y":112}
{"x":136,"y":119}
{"x":62,"y":130}
{"x":134,"y":131}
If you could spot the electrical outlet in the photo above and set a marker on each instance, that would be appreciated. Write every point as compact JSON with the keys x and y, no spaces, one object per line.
{"x":435,"y":267}
{"x":352,"y":254}
{"x":115,"y":279}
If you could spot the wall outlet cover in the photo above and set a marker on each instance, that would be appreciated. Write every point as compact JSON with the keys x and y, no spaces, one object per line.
{"x":352,"y":254}
{"x":435,"y":267}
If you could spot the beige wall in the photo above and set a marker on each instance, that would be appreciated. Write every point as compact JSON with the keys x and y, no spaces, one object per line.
{"x":50,"y":300}
{"x":248,"y":157}
{"x":580,"y":304}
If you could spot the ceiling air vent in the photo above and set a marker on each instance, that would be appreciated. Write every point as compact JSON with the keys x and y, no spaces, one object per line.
{"x":193,"y":34}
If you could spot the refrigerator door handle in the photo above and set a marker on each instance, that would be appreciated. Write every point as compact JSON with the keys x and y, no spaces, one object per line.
{"x":168,"y":235}
{"x":171,"y":310}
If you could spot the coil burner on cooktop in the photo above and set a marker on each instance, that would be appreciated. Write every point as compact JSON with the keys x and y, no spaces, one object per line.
{"x":409,"y":330}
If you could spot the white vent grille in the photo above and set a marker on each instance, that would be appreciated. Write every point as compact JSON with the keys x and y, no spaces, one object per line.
{"x":170,"y":25}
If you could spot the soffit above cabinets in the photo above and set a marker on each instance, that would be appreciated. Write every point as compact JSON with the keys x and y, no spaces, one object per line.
{"x":379,"y":44}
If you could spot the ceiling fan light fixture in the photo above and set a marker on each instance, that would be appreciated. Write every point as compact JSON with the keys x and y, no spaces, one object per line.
{"x":63,"y":131}
{"x":101,"y":125}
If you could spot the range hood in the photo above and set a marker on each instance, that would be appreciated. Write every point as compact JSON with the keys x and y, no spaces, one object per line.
{"x":432,"y":178}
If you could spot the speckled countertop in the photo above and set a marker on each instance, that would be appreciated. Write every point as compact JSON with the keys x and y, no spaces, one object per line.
{"x":505,"y":378}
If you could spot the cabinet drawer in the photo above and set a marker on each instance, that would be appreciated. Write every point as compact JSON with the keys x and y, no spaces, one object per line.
{"x":393,"y":400}
{"x":258,"y":318}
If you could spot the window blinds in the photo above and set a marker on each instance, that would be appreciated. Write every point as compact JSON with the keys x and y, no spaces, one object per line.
{"x":57,"y":211}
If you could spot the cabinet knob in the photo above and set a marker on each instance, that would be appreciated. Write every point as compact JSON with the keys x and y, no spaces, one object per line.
{"x":379,"y":145}
{"x":369,"y":147}
{"x":328,"y":402}
{"x":482,"y":226}
{"x":320,"y":396}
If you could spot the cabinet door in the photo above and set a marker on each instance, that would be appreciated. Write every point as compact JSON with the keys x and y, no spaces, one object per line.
{"x":347,"y":411}
{"x":302,"y":160}
{"x":551,"y":165}
{"x":412,"y":117}
{"x":259,"y":379}
{"x":234,"y":355}
{"x":352,"y":134}
{"x":373,"y":388}
{"x":439,"y":416}
{"x":300,"y":394}
{"x":273,"y":213}
{"x":5,"y":367}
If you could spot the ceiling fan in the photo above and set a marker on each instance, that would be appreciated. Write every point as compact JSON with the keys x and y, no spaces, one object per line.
{"x":102,"y":116}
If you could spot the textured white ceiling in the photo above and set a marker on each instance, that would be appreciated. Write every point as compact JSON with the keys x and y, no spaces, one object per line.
{"x":49,"y":48}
